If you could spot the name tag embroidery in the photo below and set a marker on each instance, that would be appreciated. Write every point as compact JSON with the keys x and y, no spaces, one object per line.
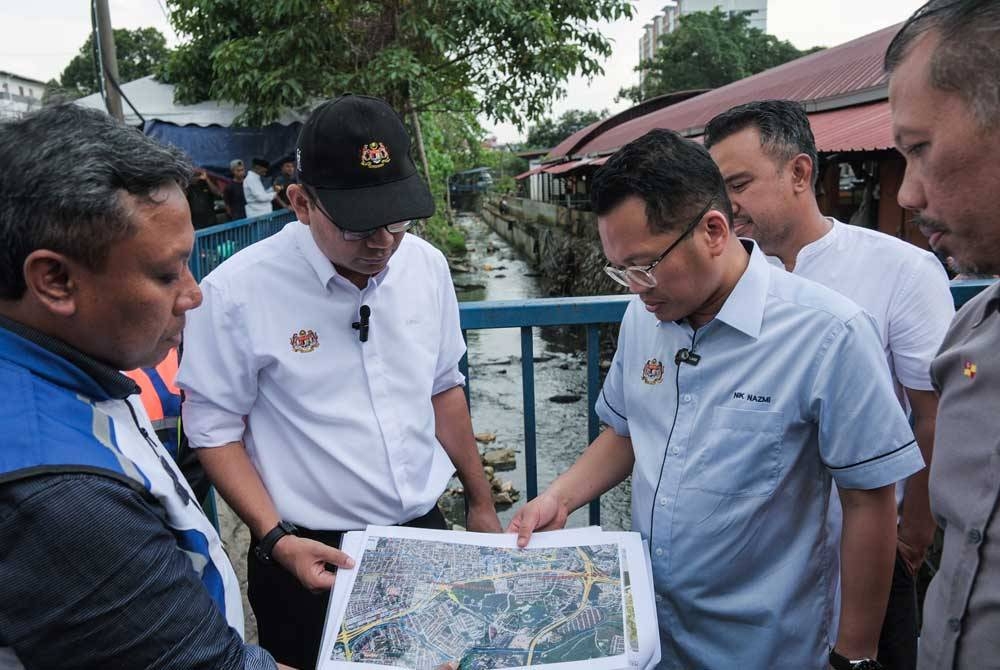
{"x":752,"y":397}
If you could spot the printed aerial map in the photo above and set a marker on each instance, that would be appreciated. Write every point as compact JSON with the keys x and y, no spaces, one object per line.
{"x":416,"y":604}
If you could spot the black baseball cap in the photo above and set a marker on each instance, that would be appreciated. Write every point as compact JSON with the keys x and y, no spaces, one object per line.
{"x":354,"y":152}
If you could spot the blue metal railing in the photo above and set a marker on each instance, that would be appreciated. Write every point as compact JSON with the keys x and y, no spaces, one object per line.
{"x":215,"y":244}
{"x":589,"y":312}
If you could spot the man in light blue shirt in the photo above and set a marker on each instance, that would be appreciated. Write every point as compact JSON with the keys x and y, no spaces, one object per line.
{"x":737,"y":393}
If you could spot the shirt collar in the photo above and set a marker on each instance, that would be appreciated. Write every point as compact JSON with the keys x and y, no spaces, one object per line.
{"x":321,"y":265}
{"x":52,"y":359}
{"x":744,"y":308}
{"x":817,"y":246}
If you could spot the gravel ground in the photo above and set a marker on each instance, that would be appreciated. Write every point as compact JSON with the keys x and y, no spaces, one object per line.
{"x":236,"y":540}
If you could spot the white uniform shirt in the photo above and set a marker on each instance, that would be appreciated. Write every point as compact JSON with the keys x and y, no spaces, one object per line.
{"x":734,"y":458}
{"x":258,"y":198}
{"x":904,"y":288}
{"x":341,"y":431}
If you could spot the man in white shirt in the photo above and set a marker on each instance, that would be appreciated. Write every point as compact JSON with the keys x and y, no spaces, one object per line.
{"x":258,"y":198}
{"x":767,"y":155}
{"x":322,"y":375}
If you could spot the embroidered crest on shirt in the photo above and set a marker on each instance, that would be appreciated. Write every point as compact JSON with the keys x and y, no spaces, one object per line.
{"x":969,"y":370}
{"x":374,"y":155}
{"x":304,"y":341}
{"x":652,"y":371}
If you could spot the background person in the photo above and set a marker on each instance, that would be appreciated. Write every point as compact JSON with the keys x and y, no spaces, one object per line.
{"x":258,"y":197}
{"x":232,"y":195}
{"x":286,"y":177}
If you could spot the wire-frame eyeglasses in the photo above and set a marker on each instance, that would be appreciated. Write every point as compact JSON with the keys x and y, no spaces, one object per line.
{"x":642,"y":275}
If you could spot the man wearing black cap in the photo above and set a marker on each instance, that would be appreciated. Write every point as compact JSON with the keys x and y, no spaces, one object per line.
{"x":321,"y":372}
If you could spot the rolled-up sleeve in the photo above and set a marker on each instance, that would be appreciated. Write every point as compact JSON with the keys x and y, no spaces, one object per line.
{"x":217,"y":372}
{"x":865,"y":440}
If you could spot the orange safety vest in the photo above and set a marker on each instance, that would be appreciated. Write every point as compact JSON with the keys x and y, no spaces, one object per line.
{"x":153,"y":400}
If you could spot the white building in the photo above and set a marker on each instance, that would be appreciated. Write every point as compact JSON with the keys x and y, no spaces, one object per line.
{"x":19,"y":95}
{"x":666,"y":22}
{"x":759,"y":8}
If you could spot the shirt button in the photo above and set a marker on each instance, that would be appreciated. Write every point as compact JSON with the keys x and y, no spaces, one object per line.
{"x":975,"y":537}
{"x":659,"y":552}
{"x":659,"y":598}
{"x":686,"y":397}
{"x":663,"y":501}
{"x":954,"y":625}
{"x":676,"y":450}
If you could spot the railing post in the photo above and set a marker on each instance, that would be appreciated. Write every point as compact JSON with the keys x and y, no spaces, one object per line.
{"x":463,"y":367}
{"x":593,"y":389}
{"x":528,"y":384}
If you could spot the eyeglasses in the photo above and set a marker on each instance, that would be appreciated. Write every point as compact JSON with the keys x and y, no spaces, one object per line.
{"x":353,"y":235}
{"x":393,"y":228}
{"x":643,"y":274}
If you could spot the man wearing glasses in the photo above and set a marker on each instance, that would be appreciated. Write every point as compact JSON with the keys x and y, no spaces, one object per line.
{"x":322,"y":381}
{"x":737,"y":393}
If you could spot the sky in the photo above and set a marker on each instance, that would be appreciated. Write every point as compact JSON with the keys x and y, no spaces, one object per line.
{"x":40,"y":37}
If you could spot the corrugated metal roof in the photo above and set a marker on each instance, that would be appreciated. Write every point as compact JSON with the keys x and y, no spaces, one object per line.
{"x":528,"y":173}
{"x":569,"y":145}
{"x":861,"y":128}
{"x":850,"y":70}
{"x":564,"y":147}
{"x":568,"y":166}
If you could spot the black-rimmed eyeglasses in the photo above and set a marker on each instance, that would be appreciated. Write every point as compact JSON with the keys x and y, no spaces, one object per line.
{"x":393,"y":228}
{"x":642,"y":275}
{"x":353,"y":235}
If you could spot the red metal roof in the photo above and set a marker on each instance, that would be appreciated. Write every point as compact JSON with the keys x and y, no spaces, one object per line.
{"x":850,"y":69}
{"x":567,"y":144}
{"x":861,"y":128}
{"x":528,"y":173}
{"x":568,"y":166}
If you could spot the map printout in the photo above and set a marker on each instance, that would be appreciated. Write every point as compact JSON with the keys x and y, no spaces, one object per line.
{"x":418,"y":598}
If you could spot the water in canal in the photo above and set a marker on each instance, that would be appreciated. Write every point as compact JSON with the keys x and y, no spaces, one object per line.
{"x":498,"y":272}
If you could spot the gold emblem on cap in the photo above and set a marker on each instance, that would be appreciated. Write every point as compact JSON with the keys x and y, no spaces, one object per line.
{"x":374,"y":155}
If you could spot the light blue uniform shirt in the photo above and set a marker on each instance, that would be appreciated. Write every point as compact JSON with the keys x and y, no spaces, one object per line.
{"x":734,"y":458}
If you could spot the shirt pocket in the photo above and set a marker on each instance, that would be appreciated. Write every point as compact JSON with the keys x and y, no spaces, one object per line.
{"x":741,"y":455}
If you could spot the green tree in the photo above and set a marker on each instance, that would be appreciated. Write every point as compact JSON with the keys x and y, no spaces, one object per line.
{"x":549,"y":132}
{"x":708,"y":50}
{"x":140,"y":52}
{"x":506,"y":59}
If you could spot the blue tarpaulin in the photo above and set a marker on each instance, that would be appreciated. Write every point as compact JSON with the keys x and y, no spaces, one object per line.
{"x":212,"y":147}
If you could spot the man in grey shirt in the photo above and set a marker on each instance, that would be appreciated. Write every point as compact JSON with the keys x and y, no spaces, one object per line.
{"x":944,"y":93}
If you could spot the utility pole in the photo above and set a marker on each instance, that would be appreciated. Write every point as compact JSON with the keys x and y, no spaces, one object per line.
{"x":109,"y":59}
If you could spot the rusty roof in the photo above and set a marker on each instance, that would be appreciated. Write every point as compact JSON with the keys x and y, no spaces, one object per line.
{"x":832,"y":79}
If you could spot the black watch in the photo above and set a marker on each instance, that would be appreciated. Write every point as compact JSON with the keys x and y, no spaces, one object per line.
{"x":838,"y":662}
{"x":266,"y":545}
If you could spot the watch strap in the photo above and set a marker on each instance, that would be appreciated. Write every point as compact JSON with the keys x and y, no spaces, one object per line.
{"x":840,"y":662}
{"x":266,"y":545}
